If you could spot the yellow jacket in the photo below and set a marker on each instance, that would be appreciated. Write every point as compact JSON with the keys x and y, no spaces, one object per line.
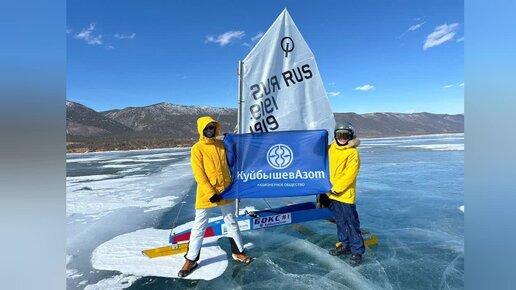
{"x":344,"y":167}
{"x":209,"y":166}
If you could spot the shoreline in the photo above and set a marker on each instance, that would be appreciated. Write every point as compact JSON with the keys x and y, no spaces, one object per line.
{"x":405,"y":136}
{"x":184,"y":147}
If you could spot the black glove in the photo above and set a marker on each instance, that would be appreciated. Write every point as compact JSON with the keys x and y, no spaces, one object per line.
{"x":215,"y":198}
{"x":324,"y":200}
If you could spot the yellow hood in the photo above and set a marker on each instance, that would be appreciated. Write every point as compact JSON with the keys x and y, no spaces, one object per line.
{"x":202,"y":122}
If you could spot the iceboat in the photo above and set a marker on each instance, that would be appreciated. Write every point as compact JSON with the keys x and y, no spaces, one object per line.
{"x":255,"y":220}
{"x":279,"y":89}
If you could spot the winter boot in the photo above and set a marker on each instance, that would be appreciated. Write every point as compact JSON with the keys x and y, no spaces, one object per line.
{"x":355,"y":259}
{"x":188,"y":267}
{"x":339,"y":250}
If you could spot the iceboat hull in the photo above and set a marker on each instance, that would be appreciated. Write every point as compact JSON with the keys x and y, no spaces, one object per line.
{"x":290,"y":214}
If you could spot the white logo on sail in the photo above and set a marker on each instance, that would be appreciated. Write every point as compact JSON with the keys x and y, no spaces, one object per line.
{"x":280,"y":156}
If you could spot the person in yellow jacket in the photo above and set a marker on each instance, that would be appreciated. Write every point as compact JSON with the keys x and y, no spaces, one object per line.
{"x":344,"y":167}
{"x":211,"y":172}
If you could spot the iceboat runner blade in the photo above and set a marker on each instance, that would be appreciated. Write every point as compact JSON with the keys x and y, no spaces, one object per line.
{"x":165,"y":251}
{"x":372,"y":241}
{"x":368,"y":241}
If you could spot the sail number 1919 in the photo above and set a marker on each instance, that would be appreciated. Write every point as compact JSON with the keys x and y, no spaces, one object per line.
{"x":265,"y":125}
{"x":261,"y":112}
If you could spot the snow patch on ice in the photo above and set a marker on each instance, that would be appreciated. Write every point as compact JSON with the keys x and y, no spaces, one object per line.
{"x":72,"y":274}
{"x":108,"y":193}
{"x":123,"y":254}
{"x":180,"y":164}
{"x":96,"y":205}
{"x":130,"y":170}
{"x":159,"y":203}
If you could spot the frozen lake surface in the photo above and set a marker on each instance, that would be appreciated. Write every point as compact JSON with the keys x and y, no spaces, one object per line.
{"x":409,"y":193}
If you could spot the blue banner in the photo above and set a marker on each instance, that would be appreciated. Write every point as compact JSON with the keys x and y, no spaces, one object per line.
{"x":277,"y":164}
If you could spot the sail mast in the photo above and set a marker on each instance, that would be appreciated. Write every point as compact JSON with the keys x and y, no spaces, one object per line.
{"x":239,"y":113}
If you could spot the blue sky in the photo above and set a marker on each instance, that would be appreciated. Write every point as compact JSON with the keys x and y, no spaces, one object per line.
{"x":373,"y":56}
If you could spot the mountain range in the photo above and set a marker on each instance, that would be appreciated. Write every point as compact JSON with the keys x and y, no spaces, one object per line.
{"x":165,"y":125}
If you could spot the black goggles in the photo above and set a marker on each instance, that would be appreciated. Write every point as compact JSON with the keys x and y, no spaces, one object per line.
{"x":342,"y":134}
{"x":210,"y":127}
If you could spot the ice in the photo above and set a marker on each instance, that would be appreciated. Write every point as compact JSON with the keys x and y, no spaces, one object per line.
{"x":113,"y":283}
{"x":167,"y":154}
{"x":416,"y":137}
{"x":101,"y":202}
{"x":109,"y":192}
{"x":452,"y":142}
{"x":107,"y":199}
{"x":284,"y":261}
{"x":408,"y":196}
{"x":135,"y":169}
{"x":461,"y":208}
{"x":438,"y":147}
{"x":123,"y":254}
{"x":140,"y":160}
{"x":72,"y":274}
{"x":378,"y":144}
{"x":181,"y":164}
{"x":399,"y":141}
{"x":90,"y":159}
{"x":77,"y":179}
{"x":120,"y":165}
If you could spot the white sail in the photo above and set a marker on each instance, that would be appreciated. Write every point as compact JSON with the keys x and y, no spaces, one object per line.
{"x":281,"y":85}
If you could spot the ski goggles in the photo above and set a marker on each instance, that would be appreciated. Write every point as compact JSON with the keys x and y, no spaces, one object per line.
{"x":342,"y":134}
{"x":210,"y":127}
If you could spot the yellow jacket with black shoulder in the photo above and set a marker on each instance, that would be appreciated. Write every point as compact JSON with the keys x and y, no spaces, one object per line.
{"x":344,"y":168}
{"x":209,"y":166}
